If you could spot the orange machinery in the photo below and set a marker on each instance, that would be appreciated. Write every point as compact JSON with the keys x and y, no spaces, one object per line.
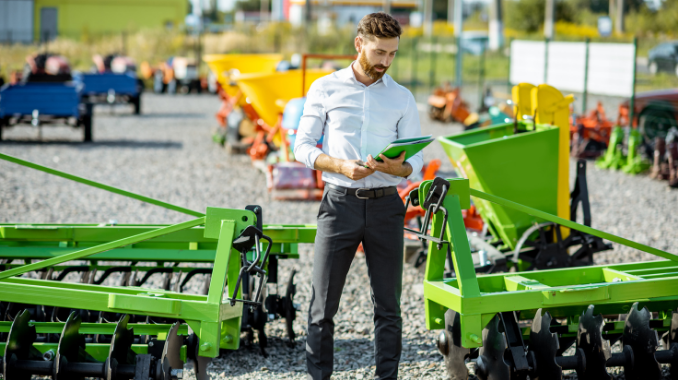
{"x":590,"y":134}
{"x":446,"y":104}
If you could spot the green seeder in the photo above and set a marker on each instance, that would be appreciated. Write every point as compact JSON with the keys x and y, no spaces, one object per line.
{"x":519,"y":325}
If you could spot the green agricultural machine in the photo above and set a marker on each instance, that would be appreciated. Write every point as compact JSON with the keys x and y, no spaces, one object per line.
{"x":124,"y":313}
{"x":526,"y":161}
{"x":523,"y":325}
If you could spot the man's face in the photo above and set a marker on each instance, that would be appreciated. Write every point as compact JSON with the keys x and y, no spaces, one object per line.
{"x":376,"y":55}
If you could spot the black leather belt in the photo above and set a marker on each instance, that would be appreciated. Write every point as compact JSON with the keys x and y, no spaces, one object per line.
{"x":364,"y":193}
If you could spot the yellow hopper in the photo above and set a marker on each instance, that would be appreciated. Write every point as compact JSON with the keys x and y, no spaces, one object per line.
{"x":268,"y":93}
{"x":222,"y":64}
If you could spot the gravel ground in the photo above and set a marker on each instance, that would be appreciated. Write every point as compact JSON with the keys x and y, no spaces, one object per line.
{"x":167,"y":154}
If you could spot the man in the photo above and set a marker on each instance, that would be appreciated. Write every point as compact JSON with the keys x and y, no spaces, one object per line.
{"x":359,"y":110}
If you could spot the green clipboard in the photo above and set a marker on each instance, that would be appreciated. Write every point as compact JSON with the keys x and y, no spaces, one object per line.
{"x":410,"y":146}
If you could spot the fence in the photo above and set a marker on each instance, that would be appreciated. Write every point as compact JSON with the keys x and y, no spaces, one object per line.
{"x":583,"y":67}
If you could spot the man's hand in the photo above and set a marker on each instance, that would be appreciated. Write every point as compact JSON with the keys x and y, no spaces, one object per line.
{"x":355,"y":169}
{"x":395,"y":166}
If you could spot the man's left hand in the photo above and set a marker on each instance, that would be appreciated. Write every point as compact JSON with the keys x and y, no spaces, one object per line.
{"x":395,"y":166}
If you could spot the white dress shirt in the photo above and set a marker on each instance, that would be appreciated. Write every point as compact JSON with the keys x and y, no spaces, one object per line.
{"x":357,"y":121}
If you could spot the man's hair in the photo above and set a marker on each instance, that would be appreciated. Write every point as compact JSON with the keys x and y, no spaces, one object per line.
{"x":380,"y":25}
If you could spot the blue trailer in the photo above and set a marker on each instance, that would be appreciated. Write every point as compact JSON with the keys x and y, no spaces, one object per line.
{"x":111,"y":88}
{"x":45,"y":103}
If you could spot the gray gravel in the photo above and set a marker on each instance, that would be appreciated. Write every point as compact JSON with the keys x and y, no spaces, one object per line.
{"x":167,"y":154}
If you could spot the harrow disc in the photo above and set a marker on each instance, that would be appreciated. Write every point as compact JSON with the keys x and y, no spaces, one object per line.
{"x":449,"y":344}
{"x":644,"y":342}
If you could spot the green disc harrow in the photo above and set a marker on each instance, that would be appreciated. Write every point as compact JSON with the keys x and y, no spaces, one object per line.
{"x":127,"y":316}
{"x":537,"y":324}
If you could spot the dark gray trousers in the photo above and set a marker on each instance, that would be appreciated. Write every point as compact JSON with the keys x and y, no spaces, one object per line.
{"x":344,"y":222}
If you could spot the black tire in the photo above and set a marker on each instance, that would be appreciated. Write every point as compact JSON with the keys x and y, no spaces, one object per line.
{"x":655,"y":121}
{"x":136,"y":101}
{"x":87,"y":123}
{"x":87,"y":128}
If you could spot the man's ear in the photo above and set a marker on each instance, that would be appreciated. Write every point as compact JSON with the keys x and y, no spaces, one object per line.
{"x":358,"y":44}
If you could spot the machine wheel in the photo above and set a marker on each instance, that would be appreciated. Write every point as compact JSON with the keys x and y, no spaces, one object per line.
{"x":655,"y":122}
{"x":87,"y":126}
{"x":449,"y":344}
{"x":136,"y":101}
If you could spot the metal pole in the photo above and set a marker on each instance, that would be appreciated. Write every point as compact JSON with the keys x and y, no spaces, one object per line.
{"x":432,"y":68}
{"x":458,"y":30}
{"x":549,"y":18}
{"x":546,"y":60}
{"x":428,"y":18}
{"x":387,"y":6}
{"x":632,"y":101}
{"x":481,"y":79}
{"x":508,"y":82}
{"x":619,"y":25}
{"x":414,"y":64}
{"x":496,"y":25}
{"x":586,"y":77}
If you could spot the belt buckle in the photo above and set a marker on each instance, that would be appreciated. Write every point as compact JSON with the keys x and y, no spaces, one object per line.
{"x":358,"y":190}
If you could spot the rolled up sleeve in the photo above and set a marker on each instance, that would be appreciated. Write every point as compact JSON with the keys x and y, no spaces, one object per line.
{"x":310,"y":127}
{"x":408,"y":127}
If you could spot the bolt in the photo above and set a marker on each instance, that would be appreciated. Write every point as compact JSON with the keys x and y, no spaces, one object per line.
{"x":48,"y":356}
{"x":227,"y":339}
{"x":150,"y":344}
{"x":616,"y":279}
{"x":438,"y":321}
{"x":475,"y":338}
{"x":205,"y":346}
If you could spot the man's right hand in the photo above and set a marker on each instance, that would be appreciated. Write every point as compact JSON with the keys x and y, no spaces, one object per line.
{"x":355,"y":169}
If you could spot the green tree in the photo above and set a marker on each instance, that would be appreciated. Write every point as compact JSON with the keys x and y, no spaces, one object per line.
{"x":528,"y":15}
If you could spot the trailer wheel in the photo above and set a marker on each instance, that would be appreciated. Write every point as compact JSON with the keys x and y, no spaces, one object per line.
{"x":136,"y":101}
{"x":655,"y":121}
{"x":87,"y":125}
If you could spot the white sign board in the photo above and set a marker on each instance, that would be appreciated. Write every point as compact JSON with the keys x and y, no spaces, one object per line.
{"x":527,"y":61}
{"x":566,"y":66}
{"x":611,"y":69}
{"x":610,"y":66}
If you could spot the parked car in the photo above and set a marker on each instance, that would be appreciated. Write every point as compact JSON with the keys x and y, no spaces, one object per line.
{"x":663,"y":57}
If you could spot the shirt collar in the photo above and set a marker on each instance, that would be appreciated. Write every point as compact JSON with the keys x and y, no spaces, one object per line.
{"x":348,"y":75}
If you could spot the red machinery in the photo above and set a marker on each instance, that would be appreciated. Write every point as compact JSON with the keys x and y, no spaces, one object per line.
{"x":590,"y":134}
{"x":447,"y":105}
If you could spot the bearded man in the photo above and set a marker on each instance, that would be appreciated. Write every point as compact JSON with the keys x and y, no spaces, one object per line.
{"x":359,"y":110}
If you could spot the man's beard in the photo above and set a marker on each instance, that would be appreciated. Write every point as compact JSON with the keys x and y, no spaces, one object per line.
{"x":369,"y":69}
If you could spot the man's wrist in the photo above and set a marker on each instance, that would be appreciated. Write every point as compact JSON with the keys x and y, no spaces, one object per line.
{"x":406,"y":170}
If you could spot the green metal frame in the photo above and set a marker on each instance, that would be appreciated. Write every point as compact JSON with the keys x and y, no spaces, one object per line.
{"x":562,"y":292}
{"x":210,"y":316}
